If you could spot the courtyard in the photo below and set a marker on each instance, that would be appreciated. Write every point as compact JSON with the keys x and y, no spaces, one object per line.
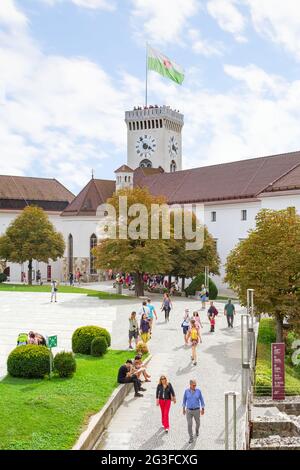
{"x":218,"y":368}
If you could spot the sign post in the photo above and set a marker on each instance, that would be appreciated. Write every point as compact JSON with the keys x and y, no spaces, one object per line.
{"x":51,"y":343}
{"x":278,"y":379}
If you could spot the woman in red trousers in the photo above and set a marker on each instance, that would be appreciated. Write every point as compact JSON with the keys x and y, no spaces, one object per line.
{"x":164,"y":395}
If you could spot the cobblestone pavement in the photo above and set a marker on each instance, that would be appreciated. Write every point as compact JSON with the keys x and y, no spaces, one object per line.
{"x":137,"y":424}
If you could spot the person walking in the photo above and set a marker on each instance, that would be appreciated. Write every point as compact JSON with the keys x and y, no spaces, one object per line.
{"x":145,"y":328}
{"x":144,"y":309}
{"x":71,"y":279}
{"x":212,"y":312}
{"x":194,"y":337}
{"x":197,"y":319}
{"x":193,"y":406}
{"x":133,"y":329}
{"x":54,"y":290}
{"x":185,"y":325}
{"x":203,"y":293}
{"x":166,"y":306}
{"x":151,"y":314}
{"x":126,"y":376}
{"x":164,"y":395}
{"x":229,"y":311}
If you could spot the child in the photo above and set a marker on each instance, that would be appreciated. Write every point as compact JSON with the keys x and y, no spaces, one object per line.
{"x":185,"y":325}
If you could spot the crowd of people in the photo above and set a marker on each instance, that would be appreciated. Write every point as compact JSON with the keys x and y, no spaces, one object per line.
{"x":135,"y":371}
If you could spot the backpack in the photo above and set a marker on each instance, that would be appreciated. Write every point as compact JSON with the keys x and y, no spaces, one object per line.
{"x":22,"y":339}
{"x":194,"y":334}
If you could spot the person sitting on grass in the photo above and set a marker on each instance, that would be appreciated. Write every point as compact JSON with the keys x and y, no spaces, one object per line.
{"x":126,"y":375}
{"x":140,"y":369}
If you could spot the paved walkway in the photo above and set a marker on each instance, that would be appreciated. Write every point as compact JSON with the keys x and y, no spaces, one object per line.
{"x":21,"y":312}
{"x":136,"y":424}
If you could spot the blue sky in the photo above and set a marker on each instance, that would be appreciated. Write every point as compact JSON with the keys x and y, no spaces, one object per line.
{"x":70,"y":68}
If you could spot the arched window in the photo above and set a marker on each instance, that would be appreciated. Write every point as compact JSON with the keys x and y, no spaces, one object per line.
{"x":70,"y":253}
{"x":172,"y":166}
{"x":146,"y":163}
{"x":93,"y":244}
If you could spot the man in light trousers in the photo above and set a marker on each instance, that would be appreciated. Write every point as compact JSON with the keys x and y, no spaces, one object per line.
{"x":193,"y":405}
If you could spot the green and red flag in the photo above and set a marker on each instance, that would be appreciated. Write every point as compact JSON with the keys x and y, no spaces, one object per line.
{"x":162,"y":64}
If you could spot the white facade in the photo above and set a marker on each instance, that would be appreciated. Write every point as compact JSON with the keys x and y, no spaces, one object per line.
{"x":154,"y":138}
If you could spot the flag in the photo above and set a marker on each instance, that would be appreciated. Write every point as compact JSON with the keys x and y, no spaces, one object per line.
{"x":162,"y":64}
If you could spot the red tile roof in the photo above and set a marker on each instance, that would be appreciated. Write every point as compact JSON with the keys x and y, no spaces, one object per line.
{"x":235,"y":180}
{"x":96,"y":192}
{"x":33,"y":189}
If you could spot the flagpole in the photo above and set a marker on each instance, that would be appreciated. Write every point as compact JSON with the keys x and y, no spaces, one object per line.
{"x":146,"y":100}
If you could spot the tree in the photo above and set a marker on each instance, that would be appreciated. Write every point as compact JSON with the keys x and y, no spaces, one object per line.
{"x":143,"y":255}
{"x":31,"y":236}
{"x":268,"y":261}
{"x":189,"y":263}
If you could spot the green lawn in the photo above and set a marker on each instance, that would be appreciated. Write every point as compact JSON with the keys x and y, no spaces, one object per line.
{"x":49,"y":414}
{"x":61,"y":289}
{"x":263,"y":383}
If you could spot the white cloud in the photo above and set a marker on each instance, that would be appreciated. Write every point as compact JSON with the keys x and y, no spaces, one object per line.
{"x":228,"y":16}
{"x":202,"y":46}
{"x":57,"y":112}
{"x":259,"y":118}
{"x":162,"y":21}
{"x":91,"y":4}
{"x":10,"y":15}
{"x":279,"y":21}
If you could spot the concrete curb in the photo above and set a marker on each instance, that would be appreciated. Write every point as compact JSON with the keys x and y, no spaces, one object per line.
{"x":99,"y":422}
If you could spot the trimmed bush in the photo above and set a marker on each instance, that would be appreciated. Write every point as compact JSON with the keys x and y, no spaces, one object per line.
{"x":3,"y":277}
{"x":82,"y":338}
{"x":142,"y":348}
{"x":30,"y":361}
{"x":197,"y":283}
{"x":64,"y":364}
{"x":98,"y":346}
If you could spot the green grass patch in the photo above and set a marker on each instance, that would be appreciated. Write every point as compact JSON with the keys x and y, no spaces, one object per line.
{"x":263,"y":379}
{"x":61,"y":290}
{"x":50,"y":414}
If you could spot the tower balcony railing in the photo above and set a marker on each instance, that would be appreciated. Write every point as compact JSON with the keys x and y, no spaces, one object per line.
{"x":153,"y":111}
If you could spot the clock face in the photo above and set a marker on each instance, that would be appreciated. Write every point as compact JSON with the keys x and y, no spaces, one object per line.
{"x":173,"y":147}
{"x":145,"y":146}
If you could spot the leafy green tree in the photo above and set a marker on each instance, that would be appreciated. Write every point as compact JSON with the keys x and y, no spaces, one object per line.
{"x":31,"y":236}
{"x":268,"y":261}
{"x":189,"y":263}
{"x":137,"y":256}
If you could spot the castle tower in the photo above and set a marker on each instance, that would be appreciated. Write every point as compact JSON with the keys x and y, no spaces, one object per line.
{"x":124,"y":177}
{"x":154,"y":138}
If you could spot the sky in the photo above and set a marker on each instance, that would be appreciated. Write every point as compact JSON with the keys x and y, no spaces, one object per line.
{"x":69,"y":69}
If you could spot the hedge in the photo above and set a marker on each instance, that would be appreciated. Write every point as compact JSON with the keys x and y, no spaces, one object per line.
{"x":64,"y":364}
{"x":82,"y":338}
{"x":3,"y":277}
{"x":98,"y":346}
{"x":29,"y":361}
{"x":197,"y":283}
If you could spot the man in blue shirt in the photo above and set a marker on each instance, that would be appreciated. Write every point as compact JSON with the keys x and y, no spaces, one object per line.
{"x":193,"y":405}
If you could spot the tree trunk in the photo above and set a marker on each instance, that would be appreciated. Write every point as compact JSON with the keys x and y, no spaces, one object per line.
{"x":279,"y":328}
{"x":139,"y":284}
{"x":182,"y":283}
{"x":30,"y":272}
{"x":169,"y":280}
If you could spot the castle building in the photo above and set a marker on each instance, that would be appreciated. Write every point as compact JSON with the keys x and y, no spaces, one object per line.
{"x":229,"y":195}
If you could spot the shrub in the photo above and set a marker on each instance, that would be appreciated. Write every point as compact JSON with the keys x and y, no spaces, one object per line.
{"x":82,"y":338}
{"x":142,"y":348}
{"x":98,"y":346}
{"x":30,"y":361}
{"x":3,"y":277}
{"x":64,"y":364}
{"x":197,"y":283}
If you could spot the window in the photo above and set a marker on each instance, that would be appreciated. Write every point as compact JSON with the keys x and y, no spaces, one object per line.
{"x":133,"y":126}
{"x":146,"y":164}
{"x":160,"y":123}
{"x":130,"y":126}
{"x":244,"y":214}
{"x":125,"y":179}
{"x":93,"y":243}
{"x":213,"y":216}
{"x":70,"y":253}
{"x":137,"y":126}
{"x":128,"y":179}
{"x":172,"y":166}
{"x":142,"y":126}
{"x":157,"y":123}
{"x":153,"y":124}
